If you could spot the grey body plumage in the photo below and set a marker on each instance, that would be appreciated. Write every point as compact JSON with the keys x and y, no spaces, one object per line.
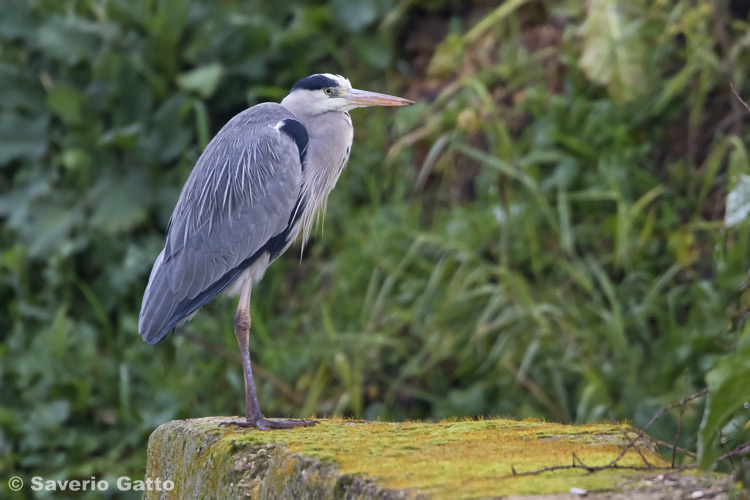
{"x":259,"y":183}
{"x":232,"y":206}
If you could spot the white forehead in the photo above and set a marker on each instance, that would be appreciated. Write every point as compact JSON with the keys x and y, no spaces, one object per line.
{"x":343,"y":82}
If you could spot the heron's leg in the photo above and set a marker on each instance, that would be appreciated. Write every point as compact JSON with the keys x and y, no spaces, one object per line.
{"x":242,"y":322}
{"x":253,"y":416}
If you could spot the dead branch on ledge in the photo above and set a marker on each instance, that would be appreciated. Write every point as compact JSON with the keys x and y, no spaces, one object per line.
{"x":737,"y":95}
{"x":642,"y":433}
{"x":578,"y":464}
{"x":632,"y":444}
{"x":742,"y":449}
{"x":673,"y":447}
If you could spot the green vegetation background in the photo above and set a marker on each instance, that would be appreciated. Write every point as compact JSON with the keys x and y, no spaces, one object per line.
{"x":547,"y":233}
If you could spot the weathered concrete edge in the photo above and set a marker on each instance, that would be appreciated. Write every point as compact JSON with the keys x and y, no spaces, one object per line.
{"x":204,"y":466}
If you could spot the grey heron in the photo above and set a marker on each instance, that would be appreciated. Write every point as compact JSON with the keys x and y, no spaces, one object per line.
{"x":259,"y":183}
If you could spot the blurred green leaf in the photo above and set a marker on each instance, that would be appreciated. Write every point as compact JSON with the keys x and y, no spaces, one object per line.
{"x":22,"y":137}
{"x":76,"y":158}
{"x":121,"y":137}
{"x":202,"y":80}
{"x":49,"y":415}
{"x":21,"y":92}
{"x":354,"y":15}
{"x":48,"y":225}
{"x":121,"y":203}
{"x":728,"y":390}
{"x":17,"y":21}
{"x":448,"y":56}
{"x":613,"y":51}
{"x":67,"y":103}
{"x":68,"y":39}
{"x":169,"y":133}
{"x":738,"y":202}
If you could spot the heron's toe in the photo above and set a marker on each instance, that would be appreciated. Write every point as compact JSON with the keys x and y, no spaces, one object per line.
{"x":243,"y":423}
{"x":267,"y":423}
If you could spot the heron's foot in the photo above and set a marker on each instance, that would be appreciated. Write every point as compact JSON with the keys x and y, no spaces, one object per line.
{"x":265,"y":424}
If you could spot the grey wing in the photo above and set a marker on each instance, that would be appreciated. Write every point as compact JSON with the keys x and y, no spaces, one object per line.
{"x":241,"y":200}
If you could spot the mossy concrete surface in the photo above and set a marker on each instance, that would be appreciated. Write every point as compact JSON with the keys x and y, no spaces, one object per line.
{"x":363,"y":460}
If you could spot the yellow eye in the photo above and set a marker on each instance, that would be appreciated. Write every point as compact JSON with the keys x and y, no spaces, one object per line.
{"x":328,"y":91}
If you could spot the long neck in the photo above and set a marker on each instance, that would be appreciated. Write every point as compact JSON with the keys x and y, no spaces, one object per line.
{"x":330,"y":141}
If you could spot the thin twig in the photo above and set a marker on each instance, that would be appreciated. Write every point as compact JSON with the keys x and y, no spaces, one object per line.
{"x":722,"y":440}
{"x":592,"y":469}
{"x":642,"y":432}
{"x":643,"y":457}
{"x":672,"y":446}
{"x":679,"y":424}
{"x":737,"y":95}
{"x":740,"y":450}
{"x":580,"y":462}
{"x":577,"y":463}
{"x":681,"y":402}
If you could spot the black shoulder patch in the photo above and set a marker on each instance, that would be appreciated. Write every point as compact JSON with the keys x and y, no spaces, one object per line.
{"x":315,"y":82}
{"x":298,"y":133}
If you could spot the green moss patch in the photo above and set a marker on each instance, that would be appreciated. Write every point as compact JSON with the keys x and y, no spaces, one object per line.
{"x":458,"y":459}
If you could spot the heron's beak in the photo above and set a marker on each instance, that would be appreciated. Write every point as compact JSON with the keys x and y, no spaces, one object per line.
{"x":361,"y":98}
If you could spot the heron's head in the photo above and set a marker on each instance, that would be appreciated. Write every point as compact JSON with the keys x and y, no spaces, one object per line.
{"x":325,"y":92}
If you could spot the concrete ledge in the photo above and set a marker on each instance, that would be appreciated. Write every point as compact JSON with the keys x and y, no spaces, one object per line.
{"x":368,"y":460}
